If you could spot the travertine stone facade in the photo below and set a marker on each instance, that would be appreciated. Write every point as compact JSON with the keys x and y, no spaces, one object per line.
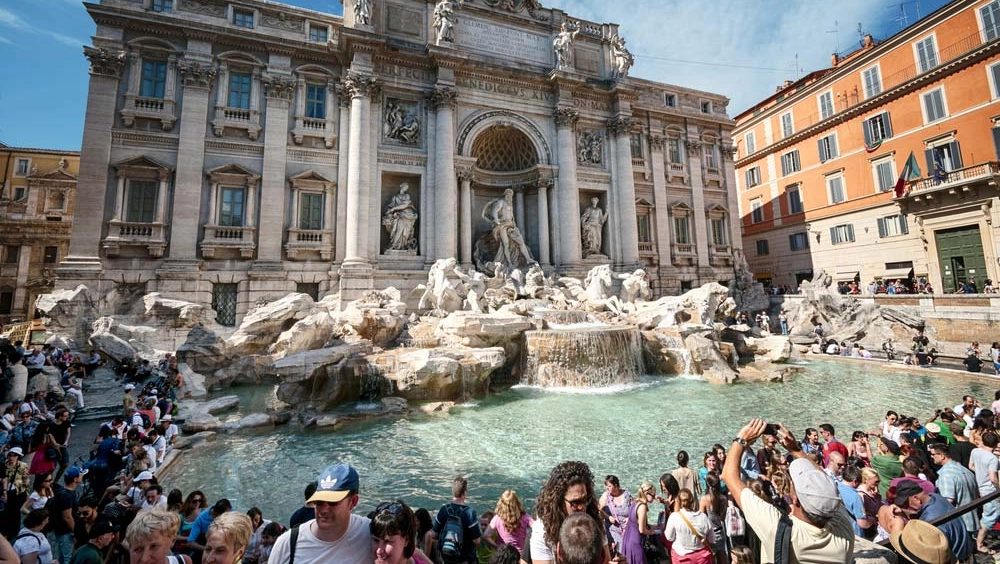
{"x":234,"y":152}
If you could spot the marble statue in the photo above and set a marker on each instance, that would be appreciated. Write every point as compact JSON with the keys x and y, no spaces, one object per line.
{"x":594,"y":293}
{"x":621,"y":59}
{"x":563,"y":46}
{"x":504,"y":245}
{"x":444,"y":21}
{"x":399,"y":220}
{"x":589,"y":147}
{"x":401,"y":124}
{"x":591,"y":224}
{"x":363,"y":12}
{"x":635,"y":286}
{"x":440,"y":293}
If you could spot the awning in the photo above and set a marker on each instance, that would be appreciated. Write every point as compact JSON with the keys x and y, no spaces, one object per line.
{"x":894,"y":273}
{"x":847,"y":276}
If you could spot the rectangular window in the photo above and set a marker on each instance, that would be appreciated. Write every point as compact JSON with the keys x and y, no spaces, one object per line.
{"x":682,"y":234}
{"x":892,"y":226}
{"x":711,"y":158}
{"x":6,"y":303}
{"x":50,"y":255}
{"x":934,"y":105}
{"x":162,"y":6}
{"x":798,"y":241}
{"x":762,"y":247}
{"x":706,"y":107}
{"x":243,"y":18}
{"x":311,"y":211}
{"x":828,"y":148}
{"x":309,"y":288}
{"x":318,"y":33}
{"x":224,"y":303}
{"x":674,"y":152}
{"x":787,"y":128}
{"x":926,"y":54}
{"x":11,"y":253}
{"x":719,"y":231}
{"x":794,"y":200}
{"x":835,"y":188}
{"x":842,"y":234}
{"x":994,"y":71}
{"x":942,"y":159}
{"x":154,"y":79}
{"x":316,"y":101}
{"x":877,"y":128}
{"x":23,"y":166}
{"x":642,"y":222}
{"x":825,"y":105}
{"x":885,"y":176}
{"x":991,"y":20}
{"x":231,"y":202}
{"x":756,"y":211}
{"x":790,"y":162}
{"x":670,"y":100}
{"x":873,"y":82}
{"x":636,"y":144}
{"x":140,"y":206}
{"x":753,"y":176}
{"x":19,"y":193}
{"x":239,"y":90}
{"x":751,"y":142}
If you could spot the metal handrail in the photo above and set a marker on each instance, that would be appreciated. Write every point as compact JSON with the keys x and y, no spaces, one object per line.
{"x":958,"y":511}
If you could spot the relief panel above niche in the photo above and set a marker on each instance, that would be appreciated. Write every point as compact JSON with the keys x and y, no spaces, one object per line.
{"x":404,"y":21}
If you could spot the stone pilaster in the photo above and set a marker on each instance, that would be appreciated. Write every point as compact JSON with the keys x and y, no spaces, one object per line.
{"x":465,"y":233}
{"x":623,"y":190}
{"x":567,"y":216}
{"x":443,"y":99}
{"x":361,"y":88}
{"x":701,"y":234}
{"x":343,"y":138}
{"x":83,"y":261}
{"x":197,"y":79}
{"x":543,"y":221}
{"x":662,"y":223}
{"x":278,"y":92}
{"x":732,"y":198}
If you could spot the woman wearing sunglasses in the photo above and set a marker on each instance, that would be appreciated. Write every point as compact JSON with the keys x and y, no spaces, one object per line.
{"x":394,"y":535}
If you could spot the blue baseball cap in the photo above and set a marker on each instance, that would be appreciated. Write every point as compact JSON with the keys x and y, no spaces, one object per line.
{"x":75,"y":472}
{"x":335,"y":483}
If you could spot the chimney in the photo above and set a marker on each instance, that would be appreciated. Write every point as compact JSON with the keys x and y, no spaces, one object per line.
{"x":869,"y":41}
{"x":834,"y":59}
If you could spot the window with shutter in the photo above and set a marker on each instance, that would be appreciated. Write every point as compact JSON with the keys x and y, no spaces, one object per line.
{"x":991,"y":20}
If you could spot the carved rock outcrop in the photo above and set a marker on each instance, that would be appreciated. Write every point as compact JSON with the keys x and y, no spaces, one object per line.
{"x":704,"y":306}
{"x":443,"y":374}
{"x":68,"y":313}
{"x":262,"y":326}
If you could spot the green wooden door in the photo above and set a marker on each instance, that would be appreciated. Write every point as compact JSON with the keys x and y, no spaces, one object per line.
{"x":960,"y":254}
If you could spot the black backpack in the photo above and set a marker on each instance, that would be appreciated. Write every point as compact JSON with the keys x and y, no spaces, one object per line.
{"x":453,"y":535}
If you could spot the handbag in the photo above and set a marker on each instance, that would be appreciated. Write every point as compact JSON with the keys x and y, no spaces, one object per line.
{"x":701,"y":537}
{"x":51,"y":453}
{"x":735,"y":525}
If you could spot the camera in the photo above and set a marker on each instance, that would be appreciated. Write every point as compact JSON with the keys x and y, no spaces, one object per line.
{"x":770,"y":429}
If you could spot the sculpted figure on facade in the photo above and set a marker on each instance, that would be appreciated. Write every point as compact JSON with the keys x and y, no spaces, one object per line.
{"x":401,"y":123}
{"x":592,"y":225}
{"x":635,"y":287}
{"x":399,"y":220}
{"x":621,"y":59}
{"x":441,"y":292}
{"x":562,"y":45}
{"x":589,"y":147}
{"x":444,"y":22}
{"x":363,"y":12}
{"x":504,"y":245}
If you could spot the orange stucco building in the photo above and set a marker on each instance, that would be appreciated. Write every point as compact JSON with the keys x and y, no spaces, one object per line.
{"x":817,"y":161}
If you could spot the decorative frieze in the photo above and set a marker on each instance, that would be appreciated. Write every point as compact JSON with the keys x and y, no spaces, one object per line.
{"x":206,"y":7}
{"x":105,"y":62}
{"x":196,"y":74}
{"x":590,"y":148}
{"x":281,"y":20}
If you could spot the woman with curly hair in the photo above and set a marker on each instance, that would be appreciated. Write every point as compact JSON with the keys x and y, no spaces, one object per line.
{"x":510,"y":523}
{"x":569,"y":489}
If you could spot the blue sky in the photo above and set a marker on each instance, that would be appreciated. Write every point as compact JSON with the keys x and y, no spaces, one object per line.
{"x":741,"y":49}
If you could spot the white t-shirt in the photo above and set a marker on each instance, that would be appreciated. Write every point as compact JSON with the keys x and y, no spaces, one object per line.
{"x":38,"y":500}
{"x":162,"y":502}
{"x":685,"y":542}
{"x":540,"y":550}
{"x":354,"y":546}
{"x":33,"y":542}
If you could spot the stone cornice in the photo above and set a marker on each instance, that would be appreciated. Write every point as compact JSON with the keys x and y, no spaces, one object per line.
{"x":105,"y":62}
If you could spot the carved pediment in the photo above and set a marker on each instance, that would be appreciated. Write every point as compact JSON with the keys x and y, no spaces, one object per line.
{"x":57,"y":175}
{"x":311,"y":179}
{"x":310,"y":175}
{"x":232,"y":170}
{"x":141,"y":162}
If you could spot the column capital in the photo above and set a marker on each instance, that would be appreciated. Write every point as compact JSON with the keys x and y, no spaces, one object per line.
{"x":443,"y":96}
{"x":466,"y":174}
{"x":728,"y":151}
{"x":693,"y":146}
{"x":279,"y":87}
{"x":104,"y":61}
{"x":621,"y":125}
{"x":196,"y":74}
{"x":544,"y":184}
{"x":657,"y":140}
{"x":359,"y":85}
{"x":565,"y":117}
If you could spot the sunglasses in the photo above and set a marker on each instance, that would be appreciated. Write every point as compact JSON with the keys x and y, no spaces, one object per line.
{"x":394,"y":508}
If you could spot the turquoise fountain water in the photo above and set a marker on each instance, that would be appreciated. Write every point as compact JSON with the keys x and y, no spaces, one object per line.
{"x":515,"y":438}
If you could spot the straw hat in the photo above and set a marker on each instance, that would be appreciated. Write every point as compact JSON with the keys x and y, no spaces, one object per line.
{"x":921,"y":543}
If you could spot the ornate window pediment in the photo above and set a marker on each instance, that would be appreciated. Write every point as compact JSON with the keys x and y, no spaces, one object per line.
{"x":140,"y":201}
{"x":315,"y":108}
{"x":232,"y":224}
{"x":311,"y":230}
{"x":237,"y":102}
{"x":152,"y":82}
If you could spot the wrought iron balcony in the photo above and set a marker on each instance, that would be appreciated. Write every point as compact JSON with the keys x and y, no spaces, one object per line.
{"x":955,"y":182}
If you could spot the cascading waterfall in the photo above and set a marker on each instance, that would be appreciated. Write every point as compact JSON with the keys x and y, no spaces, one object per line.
{"x":582,"y":358}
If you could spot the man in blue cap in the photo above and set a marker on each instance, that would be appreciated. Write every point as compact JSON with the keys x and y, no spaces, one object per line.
{"x":336,"y":534}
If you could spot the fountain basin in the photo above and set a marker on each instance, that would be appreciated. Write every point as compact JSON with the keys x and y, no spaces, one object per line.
{"x":582,"y":357}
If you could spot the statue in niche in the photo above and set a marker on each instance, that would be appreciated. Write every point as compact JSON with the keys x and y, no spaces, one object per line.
{"x":363,"y":12}
{"x":592,"y":224}
{"x":589,"y":148}
{"x":399,"y":220}
{"x":504,"y":245}
{"x":401,"y":123}
{"x":621,"y":58}
{"x":444,"y":21}
{"x":563,"y":45}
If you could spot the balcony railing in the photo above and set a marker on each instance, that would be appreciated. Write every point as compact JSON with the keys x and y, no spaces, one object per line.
{"x":237,"y":118}
{"x":638,"y":162}
{"x":149,"y":108}
{"x":135,"y":234}
{"x":219,"y":237}
{"x":968,"y":175}
{"x":313,"y":127}
{"x":645,"y":247}
{"x":306,"y":242}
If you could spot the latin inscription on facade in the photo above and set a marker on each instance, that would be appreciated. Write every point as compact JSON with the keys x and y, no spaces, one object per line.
{"x":504,"y":41}
{"x":511,"y":90}
{"x":407,"y":73}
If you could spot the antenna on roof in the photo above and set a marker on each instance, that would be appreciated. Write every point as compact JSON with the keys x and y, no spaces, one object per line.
{"x":861,"y":34}
{"x":836,"y":32}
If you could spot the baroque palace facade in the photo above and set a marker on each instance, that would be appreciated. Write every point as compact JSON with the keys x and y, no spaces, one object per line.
{"x":235,"y":151}
{"x":819,"y":160}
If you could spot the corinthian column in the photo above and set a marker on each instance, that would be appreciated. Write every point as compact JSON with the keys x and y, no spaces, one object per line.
{"x":83,"y":261}
{"x":465,"y":234}
{"x":567,"y":196}
{"x":445,"y":198}
{"x":543,"y":221}
{"x":361,"y":88}
{"x":623,"y":185}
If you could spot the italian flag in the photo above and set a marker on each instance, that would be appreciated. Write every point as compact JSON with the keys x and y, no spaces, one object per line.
{"x":910,"y":171}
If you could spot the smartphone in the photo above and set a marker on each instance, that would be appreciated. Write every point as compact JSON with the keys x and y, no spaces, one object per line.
{"x":770,"y":429}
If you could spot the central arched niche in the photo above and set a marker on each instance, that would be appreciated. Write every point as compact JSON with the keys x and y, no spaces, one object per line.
{"x":504,"y":148}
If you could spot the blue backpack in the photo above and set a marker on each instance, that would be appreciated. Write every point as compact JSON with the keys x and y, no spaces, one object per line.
{"x":453,"y":535}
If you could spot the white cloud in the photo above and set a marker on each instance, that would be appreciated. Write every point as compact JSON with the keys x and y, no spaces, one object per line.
{"x":5,"y":40}
{"x":15,"y":22}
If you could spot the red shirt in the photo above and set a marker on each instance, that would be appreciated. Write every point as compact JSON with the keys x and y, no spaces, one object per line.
{"x":831,"y":446}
